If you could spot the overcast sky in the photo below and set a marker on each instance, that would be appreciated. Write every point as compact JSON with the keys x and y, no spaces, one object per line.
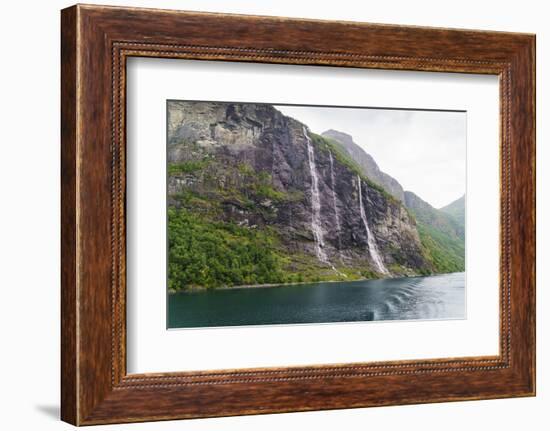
{"x":424,"y":150}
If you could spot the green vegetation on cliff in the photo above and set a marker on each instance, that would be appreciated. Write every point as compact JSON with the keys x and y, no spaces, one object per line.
{"x":210,"y":254}
{"x":442,"y":237}
{"x":187,"y":167}
{"x":444,"y":252}
{"x":457,"y":211}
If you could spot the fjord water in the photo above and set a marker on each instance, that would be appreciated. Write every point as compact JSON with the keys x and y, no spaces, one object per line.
{"x":413,"y":298}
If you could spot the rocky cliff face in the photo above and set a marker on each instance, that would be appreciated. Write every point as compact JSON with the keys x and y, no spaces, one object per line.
{"x":250,"y":165}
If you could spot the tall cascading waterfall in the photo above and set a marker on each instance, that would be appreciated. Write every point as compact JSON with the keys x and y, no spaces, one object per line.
{"x":371,"y":241}
{"x":336,"y":212}
{"x":315,"y":202}
{"x":316,"y":207}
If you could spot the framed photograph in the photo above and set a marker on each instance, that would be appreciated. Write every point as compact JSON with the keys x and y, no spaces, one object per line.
{"x":265,"y":214}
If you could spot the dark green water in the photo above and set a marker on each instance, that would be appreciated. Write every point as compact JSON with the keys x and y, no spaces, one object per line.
{"x":433,"y":297}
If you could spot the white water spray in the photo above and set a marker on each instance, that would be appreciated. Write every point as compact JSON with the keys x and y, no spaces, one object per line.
{"x":316,"y":228}
{"x":336,"y":212}
{"x":315,"y":203}
{"x":371,"y":241}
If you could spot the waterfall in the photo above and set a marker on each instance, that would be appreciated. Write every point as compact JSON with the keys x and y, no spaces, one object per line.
{"x":371,"y":241}
{"x":336,"y":212}
{"x":316,"y":207}
{"x":315,"y":203}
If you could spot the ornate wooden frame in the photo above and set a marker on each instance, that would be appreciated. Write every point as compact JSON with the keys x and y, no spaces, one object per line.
{"x":95,"y":43}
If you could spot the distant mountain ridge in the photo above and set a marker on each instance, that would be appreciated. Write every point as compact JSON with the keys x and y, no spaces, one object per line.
{"x":367,"y":163}
{"x":427,"y":214}
{"x":441,"y":235}
{"x":456,"y":210}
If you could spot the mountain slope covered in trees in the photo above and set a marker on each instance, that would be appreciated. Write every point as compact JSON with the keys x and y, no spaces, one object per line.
{"x":457,"y":210}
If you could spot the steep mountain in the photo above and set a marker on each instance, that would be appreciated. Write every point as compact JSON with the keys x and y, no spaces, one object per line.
{"x":365,"y":161}
{"x":441,"y":231}
{"x":255,"y":197}
{"x":442,"y":236}
{"x":457,"y":210}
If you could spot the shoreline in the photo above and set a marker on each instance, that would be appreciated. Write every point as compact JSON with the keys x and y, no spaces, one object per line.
{"x":258,"y":286}
{"x":269,"y":285}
